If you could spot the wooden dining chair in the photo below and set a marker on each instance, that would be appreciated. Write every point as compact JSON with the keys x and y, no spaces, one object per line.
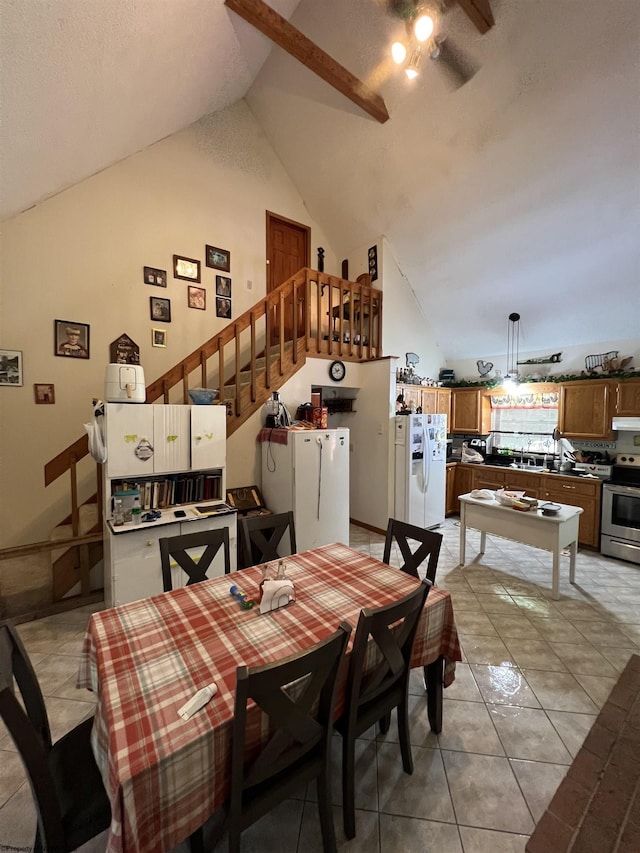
{"x":261,"y":536}
{"x":371,"y":696}
{"x":300,"y":729}
{"x":71,"y":803}
{"x":196,"y":567}
{"x":429,"y":543}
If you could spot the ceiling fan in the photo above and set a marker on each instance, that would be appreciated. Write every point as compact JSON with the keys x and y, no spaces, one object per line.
{"x":426,"y":36}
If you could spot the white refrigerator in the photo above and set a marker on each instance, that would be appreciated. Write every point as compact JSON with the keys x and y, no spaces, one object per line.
{"x":310,"y":476}
{"x":421,"y":458}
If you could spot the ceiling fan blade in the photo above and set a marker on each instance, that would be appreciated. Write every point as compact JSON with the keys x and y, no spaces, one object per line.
{"x":459,"y":68}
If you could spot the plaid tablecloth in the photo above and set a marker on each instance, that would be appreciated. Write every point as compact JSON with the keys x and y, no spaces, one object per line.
{"x":143,"y":660}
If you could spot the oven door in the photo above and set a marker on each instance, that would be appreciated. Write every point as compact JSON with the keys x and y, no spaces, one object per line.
{"x":621,"y":512}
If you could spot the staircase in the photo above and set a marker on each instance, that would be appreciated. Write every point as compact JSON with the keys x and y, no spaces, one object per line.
{"x":310,"y":314}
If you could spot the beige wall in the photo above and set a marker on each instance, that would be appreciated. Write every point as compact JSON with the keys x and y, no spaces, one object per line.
{"x":79,"y":257}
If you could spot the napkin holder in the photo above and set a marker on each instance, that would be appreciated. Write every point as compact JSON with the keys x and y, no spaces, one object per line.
{"x":276,"y":594}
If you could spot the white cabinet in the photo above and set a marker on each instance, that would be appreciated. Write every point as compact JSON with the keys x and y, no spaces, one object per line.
{"x":132,"y":563}
{"x":143,"y":440}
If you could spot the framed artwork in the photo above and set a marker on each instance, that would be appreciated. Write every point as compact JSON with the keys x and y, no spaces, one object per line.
{"x":44,"y":393}
{"x":70,"y":339}
{"x":186,"y":268}
{"x":124,"y":350}
{"x":219,"y":259}
{"x":160,"y":309}
{"x":158,"y":337}
{"x":223,"y":286}
{"x":197,"y":297}
{"x":155,"y":276}
{"x":223,"y":307}
{"x":11,"y":367}
{"x":373,"y":263}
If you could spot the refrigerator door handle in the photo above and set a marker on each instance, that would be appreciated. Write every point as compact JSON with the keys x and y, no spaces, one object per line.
{"x":426,"y":461}
{"x":319,"y":441}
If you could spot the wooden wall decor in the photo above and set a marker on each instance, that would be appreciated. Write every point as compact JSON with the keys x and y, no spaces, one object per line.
{"x":124,"y":351}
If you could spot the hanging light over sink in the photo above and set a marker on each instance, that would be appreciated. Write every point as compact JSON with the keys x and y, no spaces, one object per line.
{"x":513,"y":352}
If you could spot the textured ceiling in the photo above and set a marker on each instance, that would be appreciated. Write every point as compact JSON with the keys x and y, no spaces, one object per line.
{"x":518,"y":192}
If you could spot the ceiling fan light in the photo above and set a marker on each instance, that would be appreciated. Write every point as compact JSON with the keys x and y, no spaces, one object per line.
{"x":398,"y":52}
{"x":412,"y":68}
{"x":411,"y":71}
{"x":423,"y":27}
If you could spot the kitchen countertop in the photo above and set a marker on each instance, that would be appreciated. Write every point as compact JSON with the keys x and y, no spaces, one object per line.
{"x":579,"y":474}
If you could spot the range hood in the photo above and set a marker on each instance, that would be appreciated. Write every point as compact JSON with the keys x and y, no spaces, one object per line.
{"x":629,"y":424}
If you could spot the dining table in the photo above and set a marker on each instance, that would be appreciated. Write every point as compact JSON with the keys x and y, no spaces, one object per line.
{"x":164,"y":775}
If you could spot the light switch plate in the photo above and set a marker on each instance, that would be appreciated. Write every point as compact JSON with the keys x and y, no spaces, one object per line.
{"x":636,"y":440}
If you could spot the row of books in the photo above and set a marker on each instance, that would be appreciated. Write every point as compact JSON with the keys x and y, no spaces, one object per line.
{"x":163,"y":492}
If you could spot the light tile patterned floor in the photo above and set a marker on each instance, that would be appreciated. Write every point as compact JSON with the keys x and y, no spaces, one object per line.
{"x":535,"y":674}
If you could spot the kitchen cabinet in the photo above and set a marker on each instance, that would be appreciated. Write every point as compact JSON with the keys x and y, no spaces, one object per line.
{"x":576,"y":492}
{"x":459,"y":482}
{"x":412,"y":396}
{"x":627,"y":398}
{"x":489,"y":478}
{"x":585,"y":409}
{"x":133,"y":568}
{"x":470,"y":411}
{"x":436,"y":401}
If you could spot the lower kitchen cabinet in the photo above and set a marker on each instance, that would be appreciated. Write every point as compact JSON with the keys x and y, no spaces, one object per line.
{"x":132,"y":558}
{"x":582,"y":493}
{"x":459,"y":482}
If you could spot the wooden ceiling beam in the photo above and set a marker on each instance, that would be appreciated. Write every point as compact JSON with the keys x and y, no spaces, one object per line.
{"x":286,"y":36}
{"x":479,"y":12}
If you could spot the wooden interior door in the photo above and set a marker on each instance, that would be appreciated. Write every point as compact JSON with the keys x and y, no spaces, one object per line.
{"x":288,"y":250}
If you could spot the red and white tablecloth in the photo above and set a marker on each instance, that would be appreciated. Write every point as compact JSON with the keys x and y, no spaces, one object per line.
{"x":143,"y":660}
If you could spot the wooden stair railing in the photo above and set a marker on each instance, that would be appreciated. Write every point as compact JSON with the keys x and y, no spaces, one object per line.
{"x":312,"y":313}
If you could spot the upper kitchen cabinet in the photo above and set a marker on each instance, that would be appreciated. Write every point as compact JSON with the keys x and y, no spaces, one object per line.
{"x":436,"y":401}
{"x":585,"y":409}
{"x":627,"y":399}
{"x":470,"y":411}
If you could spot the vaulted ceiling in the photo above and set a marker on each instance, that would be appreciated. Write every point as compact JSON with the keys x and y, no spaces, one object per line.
{"x":519,"y":191}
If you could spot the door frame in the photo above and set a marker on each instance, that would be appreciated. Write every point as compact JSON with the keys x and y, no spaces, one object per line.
{"x":275,"y":217}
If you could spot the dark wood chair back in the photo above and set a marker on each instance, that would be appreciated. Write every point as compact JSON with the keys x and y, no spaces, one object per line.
{"x":177,"y":548}
{"x":297,"y":695}
{"x":372,"y":695}
{"x":71,"y":803}
{"x":429,"y":543}
{"x":261,"y":536}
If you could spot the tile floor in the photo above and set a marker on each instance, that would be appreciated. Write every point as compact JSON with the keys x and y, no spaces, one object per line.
{"x":535,"y":674}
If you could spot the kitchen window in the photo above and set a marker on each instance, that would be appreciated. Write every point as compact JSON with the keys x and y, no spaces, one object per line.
{"x":524,"y":423}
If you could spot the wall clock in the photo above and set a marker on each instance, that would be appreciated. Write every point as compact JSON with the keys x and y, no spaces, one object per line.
{"x":337,"y":371}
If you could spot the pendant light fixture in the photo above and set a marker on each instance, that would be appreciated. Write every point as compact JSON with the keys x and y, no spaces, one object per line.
{"x":513,"y":350}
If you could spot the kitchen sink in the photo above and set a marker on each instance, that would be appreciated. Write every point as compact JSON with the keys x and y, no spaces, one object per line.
{"x":522,"y":466}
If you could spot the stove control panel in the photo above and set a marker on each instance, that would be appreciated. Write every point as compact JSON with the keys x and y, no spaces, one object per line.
{"x":631,"y":460}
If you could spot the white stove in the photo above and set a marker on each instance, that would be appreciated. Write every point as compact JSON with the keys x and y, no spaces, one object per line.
{"x":620,"y":531}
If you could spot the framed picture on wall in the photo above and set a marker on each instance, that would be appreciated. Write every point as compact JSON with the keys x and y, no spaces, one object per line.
{"x":186,"y":268}
{"x":223,"y":286}
{"x":160,"y":309}
{"x":223,"y":307}
{"x":44,"y":393}
{"x":197,"y":297}
{"x":158,"y":337}
{"x":155,"y":276}
{"x":11,"y":367}
{"x":219,"y":259}
{"x":71,"y":339}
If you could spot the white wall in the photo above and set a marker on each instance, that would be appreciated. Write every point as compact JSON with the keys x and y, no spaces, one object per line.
{"x":79,"y":256}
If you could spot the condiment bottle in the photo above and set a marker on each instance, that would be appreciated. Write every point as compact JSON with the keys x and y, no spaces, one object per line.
{"x":118,"y":513}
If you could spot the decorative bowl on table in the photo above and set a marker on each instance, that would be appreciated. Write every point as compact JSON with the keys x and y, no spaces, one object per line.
{"x":550,"y":508}
{"x":506,"y":497}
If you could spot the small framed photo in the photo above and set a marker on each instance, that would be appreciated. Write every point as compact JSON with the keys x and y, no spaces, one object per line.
{"x":197,"y":297}
{"x":223,"y":307}
{"x":186,"y":268}
{"x":223,"y":286}
{"x":219,"y":259}
{"x":11,"y":367}
{"x":44,"y":393}
{"x":71,"y":339}
{"x":160,"y":309}
{"x":158,"y":337}
{"x":155,"y":276}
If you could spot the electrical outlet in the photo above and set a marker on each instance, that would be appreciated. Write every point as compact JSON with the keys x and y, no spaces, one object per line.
{"x":636,"y":440}
{"x":249,"y":284}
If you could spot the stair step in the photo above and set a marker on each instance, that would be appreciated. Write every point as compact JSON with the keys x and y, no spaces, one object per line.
{"x":88,"y":520}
